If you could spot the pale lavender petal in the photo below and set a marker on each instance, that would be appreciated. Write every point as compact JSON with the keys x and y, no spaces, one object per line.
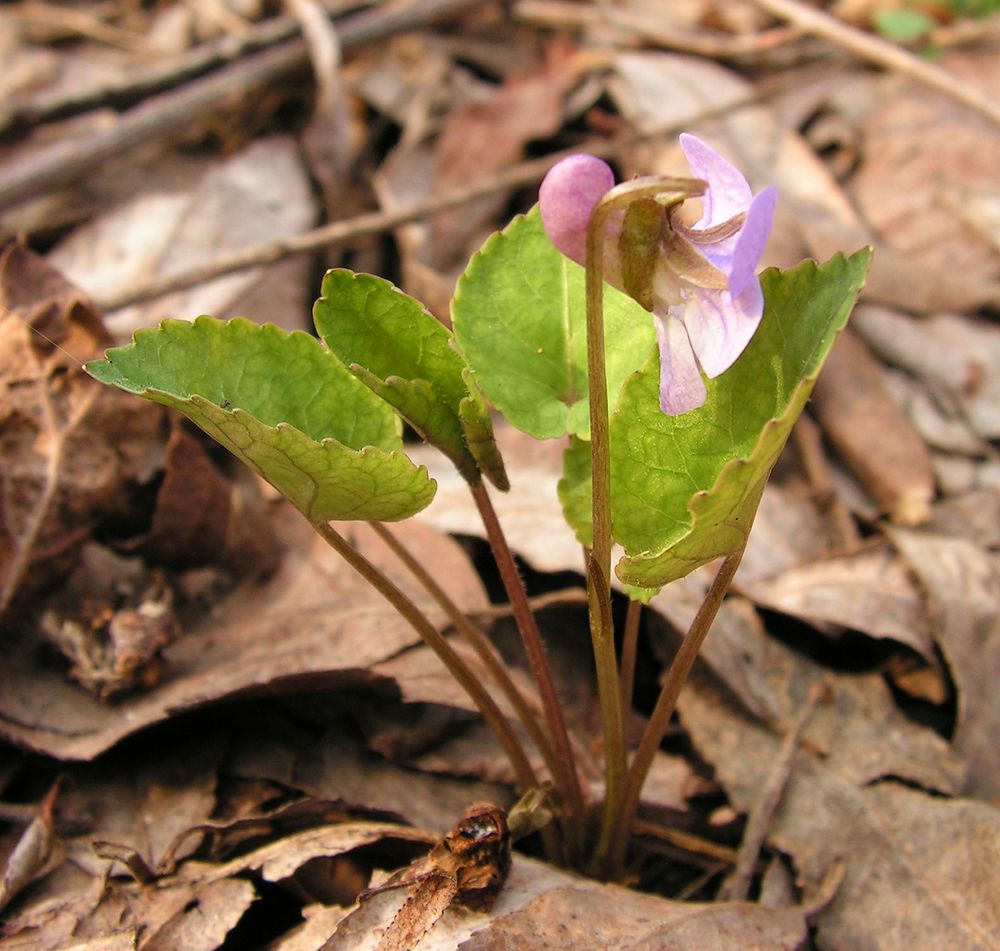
{"x":728,"y":192}
{"x":681,"y":387}
{"x":751,"y":240}
{"x":567,"y":197}
{"x":720,"y":326}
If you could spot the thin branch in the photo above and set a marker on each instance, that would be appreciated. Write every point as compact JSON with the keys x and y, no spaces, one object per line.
{"x":883,"y":53}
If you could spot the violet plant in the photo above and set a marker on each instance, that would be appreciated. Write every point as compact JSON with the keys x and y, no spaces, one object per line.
{"x":672,"y":425}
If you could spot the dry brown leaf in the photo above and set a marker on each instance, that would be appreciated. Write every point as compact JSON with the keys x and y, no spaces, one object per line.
{"x":862,"y":733}
{"x":482,"y":134}
{"x":481,"y":138}
{"x":314,"y":623}
{"x":869,"y":590}
{"x":541,"y":907}
{"x":32,"y":856}
{"x":962,"y":584}
{"x":205,"y":919}
{"x":258,"y":195}
{"x":74,"y":452}
{"x":909,"y":859}
{"x":336,"y":766}
{"x":924,"y":162}
{"x":202,"y":517}
{"x":979,"y":341}
{"x":872,"y":434}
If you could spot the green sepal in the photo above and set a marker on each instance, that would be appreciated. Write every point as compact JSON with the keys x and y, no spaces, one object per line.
{"x":396,"y":347}
{"x":685,"y":489}
{"x":285,"y":407}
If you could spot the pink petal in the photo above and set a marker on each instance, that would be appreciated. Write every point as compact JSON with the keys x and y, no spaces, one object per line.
{"x":720,"y":326}
{"x":566,"y":199}
{"x":681,"y":387}
{"x":728,"y":192}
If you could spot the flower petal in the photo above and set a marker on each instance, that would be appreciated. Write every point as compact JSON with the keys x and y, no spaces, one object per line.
{"x":728,"y":193}
{"x":567,"y":197}
{"x":681,"y":387}
{"x":751,"y":240}
{"x":720,"y":326}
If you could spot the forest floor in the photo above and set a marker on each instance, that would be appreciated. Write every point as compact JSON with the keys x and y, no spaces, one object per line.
{"x":214,"y":735}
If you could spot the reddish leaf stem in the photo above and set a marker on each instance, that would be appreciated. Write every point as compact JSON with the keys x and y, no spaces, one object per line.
{"x":565,"y":776}
{"x":434,"y":639}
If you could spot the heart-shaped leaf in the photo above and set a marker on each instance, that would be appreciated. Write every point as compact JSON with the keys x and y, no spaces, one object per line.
{"x":400,"y":351}
{"x":284,"y":406}
{"x":685,"y":488}
{"x":520,"y":318}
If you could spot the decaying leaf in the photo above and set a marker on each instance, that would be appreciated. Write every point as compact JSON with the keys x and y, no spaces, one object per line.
{"x":74,"y":453}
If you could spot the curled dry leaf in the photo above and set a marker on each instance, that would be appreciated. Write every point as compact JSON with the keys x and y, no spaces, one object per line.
{"x":74,"y":451}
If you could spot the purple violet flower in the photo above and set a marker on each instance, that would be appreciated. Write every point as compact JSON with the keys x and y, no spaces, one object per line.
{"x":703,"y":289}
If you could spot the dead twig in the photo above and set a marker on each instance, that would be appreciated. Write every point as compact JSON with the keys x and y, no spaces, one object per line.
{"x":327,"y":139}
{"x":882,"y":53}
{"x":737,"y":885}
{"x":167,"y":114}
{"x":650,"y":28}
{"x":142,"y":79}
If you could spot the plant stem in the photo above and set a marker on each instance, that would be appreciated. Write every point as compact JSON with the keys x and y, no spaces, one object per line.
{"x":565,"y":775}
{"x":668,"y":191}
{"x":457,"y":667}
{"x":656,"y":729}
{"x":601,"y":621}
{"x":477,"y":640}
{"x":630,"y":645}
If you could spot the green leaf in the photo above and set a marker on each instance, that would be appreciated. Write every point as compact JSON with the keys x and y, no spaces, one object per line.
{"x":401,"y":352}
{"x":903,"y":25}
{"x":685,"y":489}
{"x":284,"y":406}
{"x":574,"y":490}
{"x":520,"y":318}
